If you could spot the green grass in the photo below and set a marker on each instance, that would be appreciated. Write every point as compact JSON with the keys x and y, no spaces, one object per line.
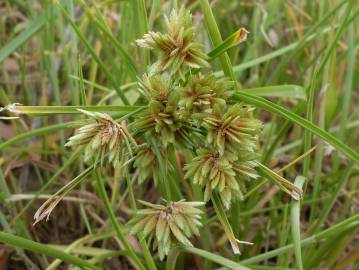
{"x":298,"y":68}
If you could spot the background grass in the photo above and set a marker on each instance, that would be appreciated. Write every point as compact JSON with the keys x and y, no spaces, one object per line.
{"x":299,"y":67}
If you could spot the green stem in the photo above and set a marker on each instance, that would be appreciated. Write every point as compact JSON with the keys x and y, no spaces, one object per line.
{"x":118,"y":229}
{"x":216,"y":38}
{"x":45,"y":249}
{"x":295,"y":224}
{"x":146,"y":252}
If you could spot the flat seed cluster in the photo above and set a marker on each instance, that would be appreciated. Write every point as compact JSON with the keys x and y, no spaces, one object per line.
{"x":103,"y":136}
{"x":167,"y":225}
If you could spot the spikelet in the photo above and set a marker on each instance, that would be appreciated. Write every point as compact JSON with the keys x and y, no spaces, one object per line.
{"x":177,"y":46}
{"x":156,"y":87}
{"x":146,"y":163}
{"x":203,"y":92}
{"x":167,"y":225}
{"x":103,"y":136}
{"x":223,"y":173}
{"x":233,"y":128}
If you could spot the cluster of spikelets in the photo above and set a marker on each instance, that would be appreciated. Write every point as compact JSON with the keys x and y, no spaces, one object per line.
{"x":203,"y":92}
{"x":166,"y":225}
{"x":221,"y":172}
{"x":103,"y":136}
{"x":189,"y":110}
{"x":177,"y":48}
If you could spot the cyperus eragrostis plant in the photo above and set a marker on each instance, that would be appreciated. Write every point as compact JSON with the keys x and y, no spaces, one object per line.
{"x":188,"y":113}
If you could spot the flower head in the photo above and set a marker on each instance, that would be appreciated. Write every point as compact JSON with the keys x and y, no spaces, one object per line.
{"x":223,"y":173}
{"x":103,"y":135}
{"x":234,"y":128}
{"x":203,"y":92}
{"x":177,"y":46}
{"x":167,"y":225}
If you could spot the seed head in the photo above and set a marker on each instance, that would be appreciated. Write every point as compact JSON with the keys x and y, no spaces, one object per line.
{"x":203,"y":92}
{"x":103,"y":136}
{"x":167,"y":225}
{"x":233,"y":128}
{"x":223,"y":173}
{"x":177,"y":47}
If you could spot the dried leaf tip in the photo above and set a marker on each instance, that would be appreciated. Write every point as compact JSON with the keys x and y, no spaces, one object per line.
{"x":241,"y":35}
{"x":167,"y":224}
{"x":103,"y":136}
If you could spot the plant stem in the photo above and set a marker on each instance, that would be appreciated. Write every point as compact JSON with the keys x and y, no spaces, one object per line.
{"x":146,"y":252}
{"x":295,"y":223}
{"x":118,"y":229}
{"x":216,"y":38}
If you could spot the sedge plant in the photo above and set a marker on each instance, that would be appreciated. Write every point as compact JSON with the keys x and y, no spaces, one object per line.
{"x":192,"y":135}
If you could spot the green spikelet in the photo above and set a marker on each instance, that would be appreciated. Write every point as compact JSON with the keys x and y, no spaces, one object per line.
{"x":103,"y":136}
{"x":167,"y":225}
{"x":223,"y":173}
{"x":233,"y":128}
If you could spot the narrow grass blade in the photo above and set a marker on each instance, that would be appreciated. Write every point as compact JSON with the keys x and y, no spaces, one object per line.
{"x":347,"y":224}
{"x":94,"y":54}
{"x":225,"y":223}
{"x":101,"y":23}
{"x":295,"y":224}
{"x":233,"y":40}
{"x":216,"y":38}
{"x":37,"y":132}
{"x":283,"y":91}
{"x":215,"y":258}
{"x":45,"y":249}
{"x":274,"y":108}
{"x":14,"y":44}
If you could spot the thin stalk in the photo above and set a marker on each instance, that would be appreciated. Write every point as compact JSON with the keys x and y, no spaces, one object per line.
{"x":347,"y":91}
{"x":216,"y":38}
{"x":295,"y":224}
{"x":118,"y":229}
{"x":146,"y":252}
